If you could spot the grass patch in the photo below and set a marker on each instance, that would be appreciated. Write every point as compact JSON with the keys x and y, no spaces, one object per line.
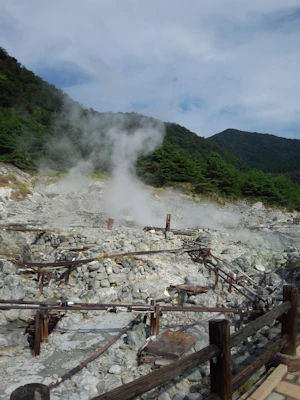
{"x":245,"y":387}
{"x":100,"y":175}
{"x":158,"y":191}
{"x":49,"y":173}
{"x":8,"y":179}
{"x":20,"y":187}
{"x":185,"y":187}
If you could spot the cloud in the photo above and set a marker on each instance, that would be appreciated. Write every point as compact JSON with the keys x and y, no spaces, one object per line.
{"x":64,"y":74}
{"x":285,"y":20}
{"x":205,"y":65}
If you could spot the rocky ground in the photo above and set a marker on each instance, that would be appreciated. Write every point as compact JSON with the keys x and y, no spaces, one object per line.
{"x":261,"y":242}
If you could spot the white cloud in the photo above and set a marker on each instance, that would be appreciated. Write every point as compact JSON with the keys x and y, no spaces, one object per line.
{"x":238,"y":60}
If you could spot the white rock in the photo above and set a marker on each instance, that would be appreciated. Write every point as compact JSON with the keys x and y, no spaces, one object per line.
{"x":260,"y":267}
{"x":115,"y":369}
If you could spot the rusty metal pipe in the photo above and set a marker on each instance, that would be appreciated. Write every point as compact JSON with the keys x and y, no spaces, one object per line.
{"x":204,"y":309}
{"x":145,"y":308}
{"x":92,"y":357}
{"x":87,"y":260}
{"x":226,"y":280}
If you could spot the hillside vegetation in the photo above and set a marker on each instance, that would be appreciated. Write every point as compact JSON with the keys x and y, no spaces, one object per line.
{"x":38,"y":121}
{"x":268,"y":153}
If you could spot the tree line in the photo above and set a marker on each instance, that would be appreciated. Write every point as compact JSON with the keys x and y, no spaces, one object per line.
{"x":35,"y":115}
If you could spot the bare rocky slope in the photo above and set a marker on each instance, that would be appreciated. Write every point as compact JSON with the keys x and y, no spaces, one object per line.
{"x":244,"y":238}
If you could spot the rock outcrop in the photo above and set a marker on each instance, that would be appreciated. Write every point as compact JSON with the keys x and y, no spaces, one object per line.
{"x":244,"y":239}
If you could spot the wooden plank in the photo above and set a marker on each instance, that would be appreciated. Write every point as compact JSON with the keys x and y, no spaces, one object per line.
{"x":157,"y":360}
{"x":220,"y":367}
{"x":251,"y":328}
{"x":160,"y":376}
{"x":170,"y":344}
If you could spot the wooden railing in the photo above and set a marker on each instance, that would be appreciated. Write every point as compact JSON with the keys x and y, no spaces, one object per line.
{"x":222,"y":384}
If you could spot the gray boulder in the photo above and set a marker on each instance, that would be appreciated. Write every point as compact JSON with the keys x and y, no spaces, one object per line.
{"x":13,"y":288}
{"x":14,"y":244}
{"x":137,"y":337}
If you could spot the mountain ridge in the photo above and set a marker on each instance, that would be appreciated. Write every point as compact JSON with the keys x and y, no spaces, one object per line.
{"x":267,"y":152}
{"x":40,"y":122}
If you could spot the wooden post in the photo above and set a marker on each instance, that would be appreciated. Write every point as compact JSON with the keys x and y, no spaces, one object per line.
{"x":220,"y":367}
{"x":168,"y":225}
{"x":289,"y":320}
{"x":44,"y":327}
{"x":42,"y":282}
{"x":208,"y":252}
{"x":153,"y":319}
{"x":232,"y":276}
{"x":31,"y":391}
{"x":157,"y":316}
{"x":217,"y":278}
{"x":110,"y":223}
{"x":241,"y":321}
{"x":68,"y":274}
{"x":168,"y":222}
{"x":38,"y":278}
{"x":37,"y":334}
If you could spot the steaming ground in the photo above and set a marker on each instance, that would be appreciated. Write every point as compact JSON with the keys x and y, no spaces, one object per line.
{"x":77,"y":202}
{"x":247,"y":237}
{"x":125,"y":197}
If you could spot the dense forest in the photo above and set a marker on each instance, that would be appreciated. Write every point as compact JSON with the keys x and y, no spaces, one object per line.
{"x":268,"y":153}
{"x":39,"y":121}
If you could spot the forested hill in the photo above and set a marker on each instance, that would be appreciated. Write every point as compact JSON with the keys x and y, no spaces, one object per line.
{"x":39,"y":121}
{"x":266,"y":152}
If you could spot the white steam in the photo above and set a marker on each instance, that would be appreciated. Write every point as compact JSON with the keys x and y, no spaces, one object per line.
{"x":125,"y":195}
{"x":77,"y":178}
{"x":185,"y":213}
{"x":113,"y":141}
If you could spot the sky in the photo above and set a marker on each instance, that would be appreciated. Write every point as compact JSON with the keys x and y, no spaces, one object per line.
{"x":206,"y":65}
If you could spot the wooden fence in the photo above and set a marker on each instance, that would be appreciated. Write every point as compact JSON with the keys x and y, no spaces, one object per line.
{"x":222,"y":383}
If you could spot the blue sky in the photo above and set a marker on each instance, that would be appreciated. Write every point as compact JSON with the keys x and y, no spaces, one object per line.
{"x":205,"y":65}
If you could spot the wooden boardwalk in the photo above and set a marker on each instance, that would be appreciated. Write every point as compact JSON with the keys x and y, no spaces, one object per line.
{"x":280,"y":385}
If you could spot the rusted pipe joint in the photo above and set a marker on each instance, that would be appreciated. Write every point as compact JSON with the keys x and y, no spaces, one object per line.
{"x":292,"y":362}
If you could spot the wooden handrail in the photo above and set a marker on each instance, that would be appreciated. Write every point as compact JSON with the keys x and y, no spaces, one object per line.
{"x":244,"y":375}
{"x":218,"y":353}
{"x":254,"y":326}
{"x":259,"y":362}
{"x":160,"y":376}
{"x":165,"y":374}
